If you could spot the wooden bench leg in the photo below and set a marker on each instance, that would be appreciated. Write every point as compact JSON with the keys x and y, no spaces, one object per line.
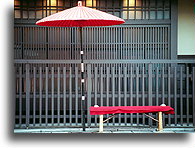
{"x":101,"y":124}
{"x":160,"y":123}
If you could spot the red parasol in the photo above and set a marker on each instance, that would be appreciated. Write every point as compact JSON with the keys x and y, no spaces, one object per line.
{"x":80,"y":16}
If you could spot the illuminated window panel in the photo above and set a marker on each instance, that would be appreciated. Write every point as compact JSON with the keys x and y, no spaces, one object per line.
{"x":91,"y":3}
{"x":131,"y":14}
{"x":17,"y":14}
{"x":167,"y":4}
{"x":138,"y":14}
{"x":53,"y":11}
{"x":116,"y":3}
{"x":138,"y":3}
{"x":152,"y":15}
{"x":127,"y":3}
{"x":60,"y":3}
{"x":51,"y":4}
{"x":131,"y":3}
{"x":25,"y":14}
{"x":125,"y":15}
{"x":117,"y":14}
{"x":101,"y":3}
{"x":159,"y":14}
{"x":16,"y":2}
{"x":160,"y":4}
{"x":152,"y":3}
{"x":39,"y":14}
{"x":166,"y":15}
{"x":31,"y":14}
{"x":145,"y":15}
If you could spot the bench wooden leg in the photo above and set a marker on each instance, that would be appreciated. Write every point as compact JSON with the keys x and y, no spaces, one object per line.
{"x":101,"y":124}
{"x":160,"y":123}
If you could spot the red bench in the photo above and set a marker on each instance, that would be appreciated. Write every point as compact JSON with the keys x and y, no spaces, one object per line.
{"x":131,"y":109}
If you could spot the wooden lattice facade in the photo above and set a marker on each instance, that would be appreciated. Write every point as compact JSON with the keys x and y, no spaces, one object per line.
{"x":130,"y":64}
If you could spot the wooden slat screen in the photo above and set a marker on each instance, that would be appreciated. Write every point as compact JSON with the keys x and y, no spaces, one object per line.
{"x":110,"y":43}
{"x":50,"y":95}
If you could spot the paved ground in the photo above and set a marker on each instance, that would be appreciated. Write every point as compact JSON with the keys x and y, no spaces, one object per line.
{"x":106,"y":130}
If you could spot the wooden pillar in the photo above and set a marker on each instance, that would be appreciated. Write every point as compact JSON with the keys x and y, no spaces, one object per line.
{"x":101,"y":124}
{"x":160,"y":123}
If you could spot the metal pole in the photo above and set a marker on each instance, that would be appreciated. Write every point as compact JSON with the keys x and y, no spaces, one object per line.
{"x":82,"y":83}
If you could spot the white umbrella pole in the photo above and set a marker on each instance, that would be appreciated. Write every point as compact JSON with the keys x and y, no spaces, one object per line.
{"x":82,"y":83}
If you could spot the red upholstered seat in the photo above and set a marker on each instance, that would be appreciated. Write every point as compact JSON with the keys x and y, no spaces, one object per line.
{"x":130,"y":109}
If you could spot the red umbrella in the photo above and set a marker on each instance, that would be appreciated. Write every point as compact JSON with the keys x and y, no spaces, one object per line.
{"x":80,"y":16}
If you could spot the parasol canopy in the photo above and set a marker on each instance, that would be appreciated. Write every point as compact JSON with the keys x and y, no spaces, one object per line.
{"x":80,"y":16}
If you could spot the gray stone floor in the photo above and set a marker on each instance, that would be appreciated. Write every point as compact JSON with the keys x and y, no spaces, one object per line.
{"x":106,"y":130}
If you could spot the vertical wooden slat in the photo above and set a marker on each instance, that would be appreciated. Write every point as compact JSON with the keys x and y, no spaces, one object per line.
{"x":131,"y":91}
{"x":46,"y":96}
{"x":181,"y":96}
{"x":99,"y":46}
{"x":137,"y":92}
{"x":153,"y":41}
{"x":169,"y":93}
{"x":163,"y":45}
{"x":76,"y":95}
{"x":34,"y":95}
{"x":109,"y":44}
{"x":143,"y":91}
{"x":193,"y":95}
{"x":20,"y":96}
{"x":158,"y":40}
{"x":89,"y":86}
{"x":157,"y":87}
{"x":163,"y":89}
{"x":125,"y":91}
{"x":138,"y":43}
{"x":101,"y":86}
{"x":107,"y":86}
{"x":115,"y":41}
{"x":119,"y":91}
{"x":95,"y":91}
{"x":70,"y":96}
{"x":113,"y":90}
{"x":150,"y":84}
{"x":92,"y":44}
{"x":27,"y":94}
{"x":40,"y":95}
{"x":64,"y":95}
{"x":58,"y":96}
{"x":187,"y":95}
{"x":163,"y":85}
{"x":175,"y":94}
{"x":52,"y":96}
{"x":150,"y":88}
{"x":143,"y":43}
{"x":122,"y":43}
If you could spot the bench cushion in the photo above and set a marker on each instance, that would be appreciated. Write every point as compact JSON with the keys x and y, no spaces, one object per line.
{"x":130,"y":109}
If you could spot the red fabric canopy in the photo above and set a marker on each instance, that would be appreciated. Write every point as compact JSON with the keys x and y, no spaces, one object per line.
{"x":80,"y":16}
{"x":130,"y":109}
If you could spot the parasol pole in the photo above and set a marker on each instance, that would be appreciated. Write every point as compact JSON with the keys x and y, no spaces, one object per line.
{"x":82,"y":83}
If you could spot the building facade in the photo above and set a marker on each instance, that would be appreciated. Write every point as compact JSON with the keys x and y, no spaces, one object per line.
{"x":133,"y":64}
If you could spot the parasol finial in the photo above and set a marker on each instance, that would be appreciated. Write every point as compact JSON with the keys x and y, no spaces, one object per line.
{"x":79,"y":3}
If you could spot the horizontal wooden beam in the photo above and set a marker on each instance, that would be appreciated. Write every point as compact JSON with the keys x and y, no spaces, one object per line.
{"x":20,"y":61}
